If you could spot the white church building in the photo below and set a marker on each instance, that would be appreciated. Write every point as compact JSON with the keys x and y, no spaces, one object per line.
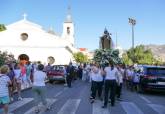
{"x":26,"y":37}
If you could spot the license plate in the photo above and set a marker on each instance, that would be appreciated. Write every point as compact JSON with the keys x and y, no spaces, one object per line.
{"x":57,"y":77}
{"x":161,"y":83}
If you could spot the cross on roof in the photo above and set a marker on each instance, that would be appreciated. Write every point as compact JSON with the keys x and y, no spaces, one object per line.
{"x":24,"y":16}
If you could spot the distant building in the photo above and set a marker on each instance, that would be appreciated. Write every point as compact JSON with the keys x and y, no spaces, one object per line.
{"x":86,"y":52}
{"x":91,"y":55}
{"x":83,"y":50}
{"x":117,"y":46}
{"x":120,"y":51}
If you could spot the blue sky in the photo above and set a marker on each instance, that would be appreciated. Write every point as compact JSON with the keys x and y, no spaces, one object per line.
{"x":92,"y":16}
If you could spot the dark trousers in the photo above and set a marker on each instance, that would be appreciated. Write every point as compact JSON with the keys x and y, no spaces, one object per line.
{"x":118,"y":90}
{"x":96,"y":87}
{"x":110,"y":85}
{"x":69,"y":80}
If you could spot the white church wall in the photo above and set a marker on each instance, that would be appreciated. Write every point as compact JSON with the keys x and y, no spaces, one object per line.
{"x":61,"y":55}
{"x":35,"y":38}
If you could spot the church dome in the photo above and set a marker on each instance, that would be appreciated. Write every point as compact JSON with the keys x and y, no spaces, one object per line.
{"x":68,"y":18}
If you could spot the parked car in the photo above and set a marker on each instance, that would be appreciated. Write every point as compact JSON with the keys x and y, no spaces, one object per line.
{"x":152,"y":78}
{"x":57,"y":73}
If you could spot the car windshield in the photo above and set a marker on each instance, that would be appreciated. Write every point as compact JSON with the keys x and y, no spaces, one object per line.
{"x":156,"y":71}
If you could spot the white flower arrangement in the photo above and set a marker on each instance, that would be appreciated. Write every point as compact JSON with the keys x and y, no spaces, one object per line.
{"x":106,"y":56}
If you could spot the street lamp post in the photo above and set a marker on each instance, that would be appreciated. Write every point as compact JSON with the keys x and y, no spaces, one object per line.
{"x":133,"y":23}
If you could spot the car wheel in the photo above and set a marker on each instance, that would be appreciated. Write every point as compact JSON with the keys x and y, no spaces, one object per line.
{"x":51,"y":81}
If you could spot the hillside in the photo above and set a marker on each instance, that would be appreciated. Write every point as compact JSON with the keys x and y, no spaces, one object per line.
{"x":157,"y":50}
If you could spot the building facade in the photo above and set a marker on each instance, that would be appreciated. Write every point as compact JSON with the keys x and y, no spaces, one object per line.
{"x":26,"y":37}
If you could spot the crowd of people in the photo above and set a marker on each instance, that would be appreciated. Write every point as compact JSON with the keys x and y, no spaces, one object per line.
{"x":106,"y":82}
{"x":14,"y":77}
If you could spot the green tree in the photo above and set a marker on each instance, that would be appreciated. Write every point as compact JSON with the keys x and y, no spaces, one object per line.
{"x":126,"y":59}
{"x":2,"y":59}
{"x":2,"y":27}
{"x":139,"y":55}
{"x":80,"y":57}
{"x":6,"y":58}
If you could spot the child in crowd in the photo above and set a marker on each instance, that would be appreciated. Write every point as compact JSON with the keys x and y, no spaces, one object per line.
{"x":4,"y":92}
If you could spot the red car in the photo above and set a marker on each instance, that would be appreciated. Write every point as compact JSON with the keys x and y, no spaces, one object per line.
{"x":57,"y":73}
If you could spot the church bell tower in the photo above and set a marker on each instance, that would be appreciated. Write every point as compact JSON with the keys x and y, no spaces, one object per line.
{"x":68,"y":28}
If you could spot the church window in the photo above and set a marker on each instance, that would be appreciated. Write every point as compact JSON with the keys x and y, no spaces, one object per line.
{"x":68,"y":30}
{"x":24,"y":36}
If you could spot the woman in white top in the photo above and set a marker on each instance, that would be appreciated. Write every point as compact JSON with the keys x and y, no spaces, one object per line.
{"x":39,"y":88}
{"x":110,"y":73}
{"x":97,"y":82}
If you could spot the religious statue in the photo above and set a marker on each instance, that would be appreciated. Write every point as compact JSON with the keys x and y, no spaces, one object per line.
{"x":106,"y":40}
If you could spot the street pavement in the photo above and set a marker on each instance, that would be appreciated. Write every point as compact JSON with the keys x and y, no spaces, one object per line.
{"x":75,"y":100}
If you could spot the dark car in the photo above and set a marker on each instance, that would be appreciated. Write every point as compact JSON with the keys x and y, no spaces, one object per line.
{"x":57,"y":73}
{"x":152,"y":78}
